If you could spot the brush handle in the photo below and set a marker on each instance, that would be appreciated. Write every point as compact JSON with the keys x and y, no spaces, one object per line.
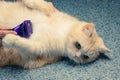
{"x":24,"y":29}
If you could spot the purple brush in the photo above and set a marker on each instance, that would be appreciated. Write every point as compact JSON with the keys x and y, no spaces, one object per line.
{"x":24,"y":29}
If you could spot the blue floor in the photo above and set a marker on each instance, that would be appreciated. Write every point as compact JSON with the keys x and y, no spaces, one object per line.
{"x":106,"y":15}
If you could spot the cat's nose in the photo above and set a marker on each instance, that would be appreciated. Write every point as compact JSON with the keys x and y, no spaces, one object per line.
{"x":85,"y":56}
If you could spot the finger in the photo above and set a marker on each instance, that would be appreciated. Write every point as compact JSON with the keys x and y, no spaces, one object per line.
{"x":1,"y":36}
{"x":3,"y":27}
{"x":4,"y":32}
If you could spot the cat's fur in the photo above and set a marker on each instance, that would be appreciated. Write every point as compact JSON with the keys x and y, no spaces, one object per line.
{"x":53,"y":36}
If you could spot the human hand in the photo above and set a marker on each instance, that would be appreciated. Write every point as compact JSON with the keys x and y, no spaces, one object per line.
{"x":3,"y":31}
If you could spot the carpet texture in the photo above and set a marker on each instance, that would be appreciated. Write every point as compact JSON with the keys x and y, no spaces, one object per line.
{"x":106,"y":16}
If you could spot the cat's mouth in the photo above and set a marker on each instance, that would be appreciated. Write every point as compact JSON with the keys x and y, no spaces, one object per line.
{"x":85,"y":58}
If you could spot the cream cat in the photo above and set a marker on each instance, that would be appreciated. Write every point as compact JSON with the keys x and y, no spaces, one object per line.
{"x":55,"y":35}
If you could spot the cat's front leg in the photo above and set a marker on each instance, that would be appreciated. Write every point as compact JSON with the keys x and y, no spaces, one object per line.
{"x":22,"y":44}
{"x":44,"y":6}
{"x":10,"y":40}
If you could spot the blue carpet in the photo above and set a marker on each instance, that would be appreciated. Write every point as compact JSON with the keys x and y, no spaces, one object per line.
{"x":106,"y":15}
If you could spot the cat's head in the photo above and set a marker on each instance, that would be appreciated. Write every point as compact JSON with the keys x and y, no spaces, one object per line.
{"x":83,"y":43}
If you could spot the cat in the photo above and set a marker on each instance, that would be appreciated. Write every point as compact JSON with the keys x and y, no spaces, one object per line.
{"x":55,"y":35}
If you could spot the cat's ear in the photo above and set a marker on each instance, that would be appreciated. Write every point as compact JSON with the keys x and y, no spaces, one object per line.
{"x":88,"y":29}
{"x":104,"y":49}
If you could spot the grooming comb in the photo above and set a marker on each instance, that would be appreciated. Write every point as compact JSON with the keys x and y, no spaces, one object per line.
{"x":24,"y":29}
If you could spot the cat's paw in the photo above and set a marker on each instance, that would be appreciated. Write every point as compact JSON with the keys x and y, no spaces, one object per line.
{"x":48,"y":8}
{"x":34,"y":64}
{"x":29,"y":65}
{"x":10,"y":40}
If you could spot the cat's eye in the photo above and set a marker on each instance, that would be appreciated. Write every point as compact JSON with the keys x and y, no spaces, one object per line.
{"x":77,"y":45}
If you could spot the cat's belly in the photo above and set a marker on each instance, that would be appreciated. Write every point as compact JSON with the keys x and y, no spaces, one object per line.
{"x":12,"y":15}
